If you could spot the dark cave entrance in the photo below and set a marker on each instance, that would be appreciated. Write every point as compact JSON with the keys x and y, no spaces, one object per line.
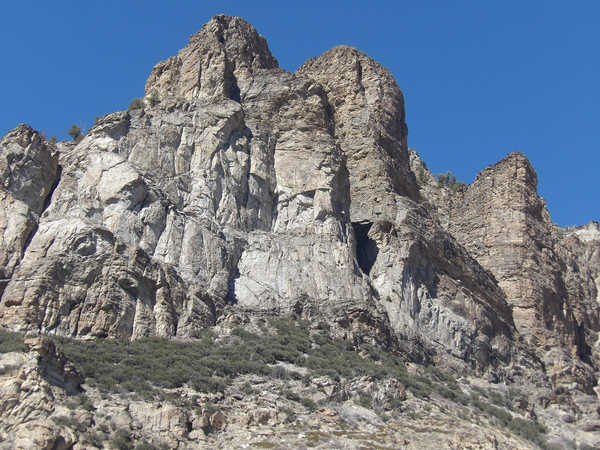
{"x":366,"y":248}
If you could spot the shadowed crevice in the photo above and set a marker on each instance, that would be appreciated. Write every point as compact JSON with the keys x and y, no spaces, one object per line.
{"x":366,"y":248}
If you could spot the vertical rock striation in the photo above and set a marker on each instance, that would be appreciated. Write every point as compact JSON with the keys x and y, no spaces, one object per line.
{"x":29,"y":172}
{"x":240,"y":188}
{"x":547,"y":274}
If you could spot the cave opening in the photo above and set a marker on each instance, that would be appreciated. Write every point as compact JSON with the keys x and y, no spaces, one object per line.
{"x":366,"y":248}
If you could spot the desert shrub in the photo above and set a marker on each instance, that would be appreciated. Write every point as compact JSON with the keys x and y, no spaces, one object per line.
{"x":136,"y":103}
{"x":454,"y":394}
{"x":364,"y":399}
{"x":291,"y":395}
{"x":248,"y":389}
{"x":95,"y":438}
{"x":308,"y":404}
{"x":528,"y":429}
{"x":290,"y":413}
{"x":75,"y":133}
{"x":439,"y":375}
{"x":499,"y":399}
{"x":500,"y":414}
{"x":147,"y":365}
{"x":69,"y":422}
{"x":11,"y":341}
{"x":422,"y":177}
{"x":121,"y":440}
{"x":418,"y":387}
{"x":83,"y":401}
{"x":145,"y":445}
{"x":279,"y":372}
{"x":448,"y":180}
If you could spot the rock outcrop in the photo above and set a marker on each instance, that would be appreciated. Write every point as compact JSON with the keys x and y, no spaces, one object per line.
{"x":29,"y":171}
{"x":241,"y":190}
{"x":240,"y":184}
{"x":548,"y":275}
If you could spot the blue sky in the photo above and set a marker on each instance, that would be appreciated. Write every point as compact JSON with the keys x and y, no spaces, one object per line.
{"x":480,"y":78}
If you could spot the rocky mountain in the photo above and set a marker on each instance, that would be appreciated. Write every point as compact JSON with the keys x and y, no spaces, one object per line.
{"x":238,"y":193}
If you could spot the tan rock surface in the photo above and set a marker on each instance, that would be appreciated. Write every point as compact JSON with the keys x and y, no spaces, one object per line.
{"x":240,"y":191}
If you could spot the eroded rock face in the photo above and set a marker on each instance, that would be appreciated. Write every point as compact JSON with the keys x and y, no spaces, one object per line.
{"x":368,"y":113}
{"x":219,"y":61}
{"x":241,"y":188}
{"x":239,"y":191}
{"x":503,"y":222}
{"x":28,"y":173}
{"x":549,"y":275}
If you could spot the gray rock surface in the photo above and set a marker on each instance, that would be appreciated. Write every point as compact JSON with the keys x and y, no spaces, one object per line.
{"x":241,"y":184}
{"x":28,"y":170}
{"x":240,"y":190}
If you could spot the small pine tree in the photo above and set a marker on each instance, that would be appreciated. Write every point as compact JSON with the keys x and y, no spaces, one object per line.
{"x":75,"y":133}
{"x":444,"y":178}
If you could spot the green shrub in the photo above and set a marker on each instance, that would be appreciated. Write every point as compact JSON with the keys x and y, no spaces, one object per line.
{"x":75,"y":133}
{"x":364,"y":399}
{"x":528,"y":429}
{"x":95,"y":438}
{"x":147,"y":365}
{"x":448,"y":180}
{"x":121,"y":440}
{"x":69,"y":422}
{"x":499,"y":399}
{"x":11,"y":341}
{"x":290,"y":413}
{"x":422,"y":179}
{"x":248,"y":389}
{"x":136,"y":103}
{"x":454,"y":394}
{"x":291,"y":395}
{"x":308,"y":404}
{"x":144,"y":445}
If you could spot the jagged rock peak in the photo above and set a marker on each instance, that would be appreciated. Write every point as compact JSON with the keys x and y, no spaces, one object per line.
{"x":368,"y":108}
{"x":218,"y":61}
{"x":515,"y":165}
{"x":23,"y":134}
{"x":28,"y":165}
{"x":586,"y":233}
{"x":240,"y":39}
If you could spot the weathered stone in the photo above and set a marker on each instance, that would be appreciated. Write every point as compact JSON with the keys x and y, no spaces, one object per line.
{"x":28,"y":173}
{"x":240,"y":190}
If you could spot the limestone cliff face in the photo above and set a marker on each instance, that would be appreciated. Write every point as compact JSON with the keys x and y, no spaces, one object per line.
{"x":368,"y":112}
{"x":241,"y":188}
{"x":504,"y":224}
{"x":549,"y":275}
{"x":28,"y":170}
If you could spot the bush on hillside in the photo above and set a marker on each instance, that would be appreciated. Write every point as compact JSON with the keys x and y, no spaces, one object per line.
{"x":136,"y":103}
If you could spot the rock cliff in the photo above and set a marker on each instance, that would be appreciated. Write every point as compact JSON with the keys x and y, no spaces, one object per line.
{"x":240,"y":191}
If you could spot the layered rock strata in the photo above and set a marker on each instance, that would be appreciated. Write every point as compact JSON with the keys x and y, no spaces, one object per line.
{"x":239,"y":187}
{"x":549,"y":275}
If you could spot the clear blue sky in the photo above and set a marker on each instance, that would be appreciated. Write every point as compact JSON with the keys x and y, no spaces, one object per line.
{"x":481,"y":78}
